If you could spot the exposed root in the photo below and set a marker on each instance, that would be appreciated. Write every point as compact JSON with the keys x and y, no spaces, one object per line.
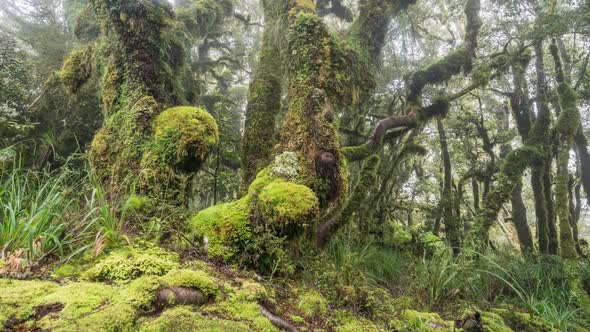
{"x":276,"y":320}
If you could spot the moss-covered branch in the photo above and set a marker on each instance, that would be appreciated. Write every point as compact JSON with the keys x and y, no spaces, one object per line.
{"x":511,"y":170}
{"x":371,"y":26}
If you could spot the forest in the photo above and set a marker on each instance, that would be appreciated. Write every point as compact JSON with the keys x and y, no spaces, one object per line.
{"x":295,"y":165}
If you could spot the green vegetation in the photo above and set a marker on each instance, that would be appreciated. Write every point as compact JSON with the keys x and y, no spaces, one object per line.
{"x":294,"y":165}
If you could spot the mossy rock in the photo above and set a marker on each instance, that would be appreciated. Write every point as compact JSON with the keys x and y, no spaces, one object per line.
{"x":184,"y":136}
{"x":225,"y":228}
{"x":190,"y":279}
{"x":130,"y":263}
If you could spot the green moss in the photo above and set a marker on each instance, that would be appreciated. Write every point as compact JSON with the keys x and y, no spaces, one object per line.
{"x":112,"y":318}
{"x":226,"y":228}
{"x":141,"y":293}
{"x":262,"y":180}
{"x":16,"y":297}
{"x":437,"y":72}
{"x":246,"y":312}
{"x":411,"y":320}
{"x":344,"y":321}
{"x":520,"y":321}
{"x":141,"y":58}
{"x":78,"y":300}
{"x":511,"y":170}
{"x":396,"y":235}
{"x":569,"y":118}
{"x":136,"y":203}
{"x":184,"y":318}
{"x":66,"y":270}
{"x":264,"y":96}
{"x":312,"y":304}
{"x":190,"y":279}
{"x":285,"y":206}
{"x":249,"y":291}
{"x":130,"y":263}
{"x":77,"y":69}
{"x":184,"y":136}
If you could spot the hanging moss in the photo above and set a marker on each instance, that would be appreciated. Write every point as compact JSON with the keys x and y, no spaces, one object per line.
{"x":87,"y":26}
{"x":202,"y":17}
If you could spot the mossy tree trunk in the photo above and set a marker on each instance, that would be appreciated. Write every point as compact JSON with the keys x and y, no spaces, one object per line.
{"x":328,"y":75}
{"x":448,"y":199}
{"x":265,"y":93}
{"x":567,"y":126}
{"x":142,"y":57}
{"x":518,"y":211}
{"x":541,"y":134}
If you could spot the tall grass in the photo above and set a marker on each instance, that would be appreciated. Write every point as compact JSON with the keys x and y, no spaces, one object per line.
{"x":48,"y":213}
{"x":492,"y":279}
{"x":34,"y":210}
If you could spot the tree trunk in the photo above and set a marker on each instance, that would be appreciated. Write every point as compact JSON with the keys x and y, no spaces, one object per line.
{"x":567,"y":126}
{"x":264,"y":96}
{"x":450,"y":221}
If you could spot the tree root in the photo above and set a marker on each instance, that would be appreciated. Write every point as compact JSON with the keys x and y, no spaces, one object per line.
{"x":276,"y":320}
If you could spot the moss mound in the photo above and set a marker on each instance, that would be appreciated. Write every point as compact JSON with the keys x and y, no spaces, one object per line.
{"x":225,"y":228}
{"x":287,"y":206}
{"x":184,"y":136}
{"x":133,"y":262}
{"x":184,"y":318}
